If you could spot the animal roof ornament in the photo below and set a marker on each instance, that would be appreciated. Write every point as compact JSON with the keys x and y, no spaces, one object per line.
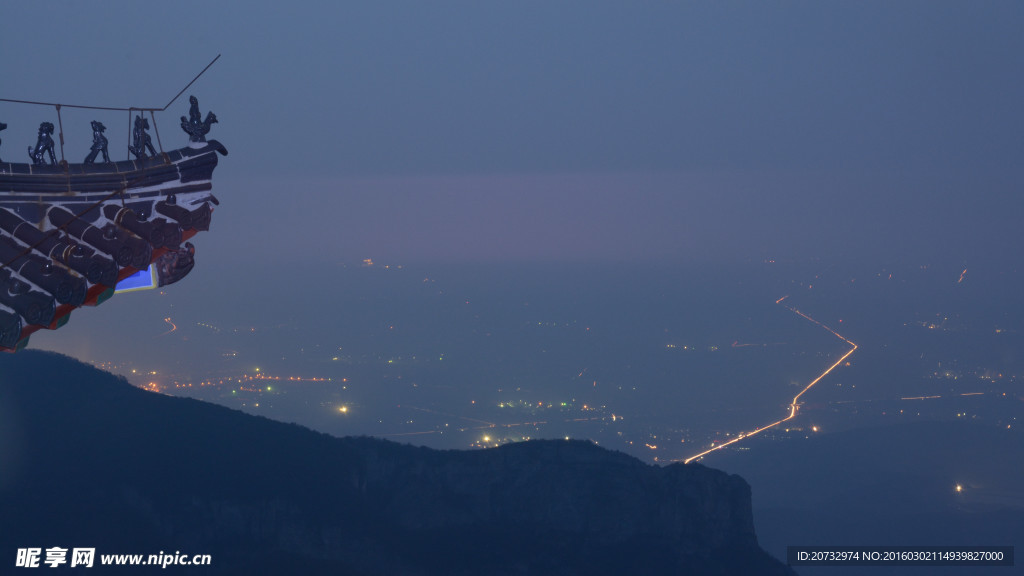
{"x":71,"y":235}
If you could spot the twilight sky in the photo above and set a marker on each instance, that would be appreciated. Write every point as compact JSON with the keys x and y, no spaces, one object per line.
{"x":410,"y":131}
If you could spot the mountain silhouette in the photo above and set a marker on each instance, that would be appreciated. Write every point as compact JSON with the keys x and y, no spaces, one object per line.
{"x":87,"y":460}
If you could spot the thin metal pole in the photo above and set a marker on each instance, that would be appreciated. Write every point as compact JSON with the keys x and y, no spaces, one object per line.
{"x":157,"y":130}
{"x":187,"y":86}
{"x":190,"y":83}
{"x":60,"y":124}
{"x":130,"y":133}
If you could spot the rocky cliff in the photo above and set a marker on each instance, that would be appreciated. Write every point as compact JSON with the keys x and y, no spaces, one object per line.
{"x":88,"y":460}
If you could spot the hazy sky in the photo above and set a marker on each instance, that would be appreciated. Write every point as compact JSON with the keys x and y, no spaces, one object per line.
{"x":422,"y":131}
